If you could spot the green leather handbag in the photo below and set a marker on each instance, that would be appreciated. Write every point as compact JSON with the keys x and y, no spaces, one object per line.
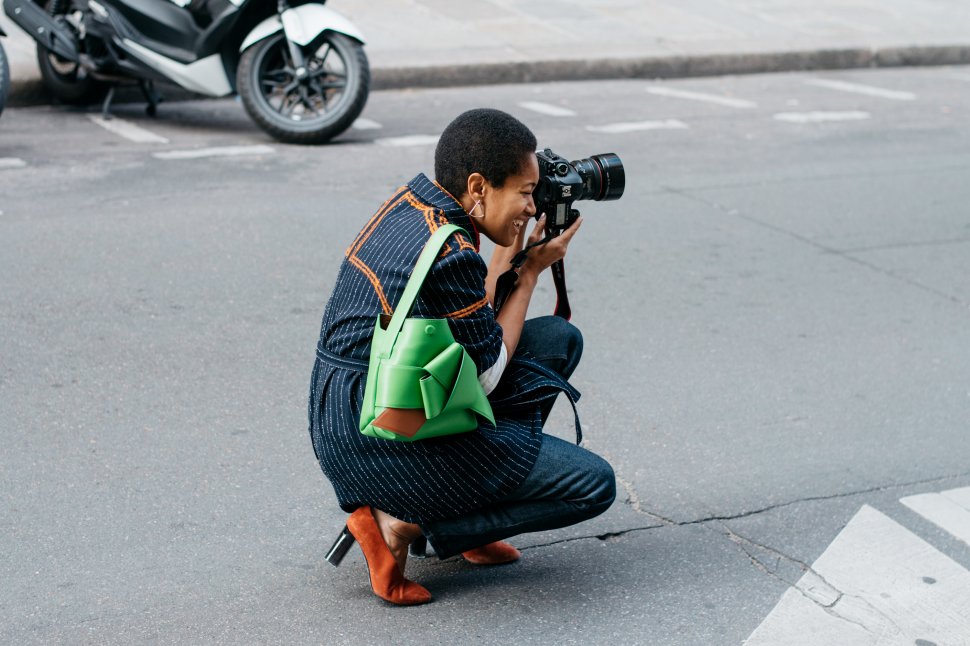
{"x":421,"y":383}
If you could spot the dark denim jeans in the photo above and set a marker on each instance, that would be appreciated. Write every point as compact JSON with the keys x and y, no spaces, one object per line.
{"x":567,"y":485}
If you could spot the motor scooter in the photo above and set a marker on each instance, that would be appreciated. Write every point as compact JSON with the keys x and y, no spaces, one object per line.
{"x":298,"y":66}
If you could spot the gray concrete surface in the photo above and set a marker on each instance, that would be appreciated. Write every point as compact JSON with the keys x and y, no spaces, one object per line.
{"x":775,"y":318}
{"x":443,"y":43}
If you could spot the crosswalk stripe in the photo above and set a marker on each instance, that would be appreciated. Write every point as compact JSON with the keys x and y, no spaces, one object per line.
{"x":223,"y":151}
{"x":366,"y":124}
{"x":858,"y":88}
{"x":821,"y":116}
{"x":701,"y":96}
{"x":619,"y":128}
{"x":408,"y":140}
{"x":883,"y":584}
{"x":547,"y":109}
{"x":947,"y":509}
{"x":12,"y":162}
{"x":128,"y":130}
{"x":959,"y":496}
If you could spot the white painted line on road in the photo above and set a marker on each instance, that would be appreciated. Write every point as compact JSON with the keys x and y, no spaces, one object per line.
{"x":12,"y":162}
{"x":700,"y":96}
{"x":821,"y":116}
{"x":224,"y":151}
{"x":408,"y":140}
{"x":366,"y":124}
{"x":128,"y":130}
{"x":618,"y":128}
{"x":959,"y":496}
{"x":948,"y":509}
{"x":858,"y":88}
{"x":547,"y":109}
{"x":877,"y":583}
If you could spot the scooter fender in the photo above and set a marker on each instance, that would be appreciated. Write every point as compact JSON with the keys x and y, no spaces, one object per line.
{"x":302,"y":24}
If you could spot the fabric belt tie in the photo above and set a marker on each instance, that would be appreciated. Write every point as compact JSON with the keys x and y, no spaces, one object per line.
{"x":520,"y":397}
{"x":335,"y":360}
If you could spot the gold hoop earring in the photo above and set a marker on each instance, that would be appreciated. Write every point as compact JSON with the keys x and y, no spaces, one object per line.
{"x":471,"y":213}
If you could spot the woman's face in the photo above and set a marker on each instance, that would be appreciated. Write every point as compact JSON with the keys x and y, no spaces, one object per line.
{"x":508,"y":209}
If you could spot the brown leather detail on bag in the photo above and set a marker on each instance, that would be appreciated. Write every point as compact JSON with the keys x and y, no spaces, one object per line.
{"x":402,"y":421}
{"x":385,"y":321}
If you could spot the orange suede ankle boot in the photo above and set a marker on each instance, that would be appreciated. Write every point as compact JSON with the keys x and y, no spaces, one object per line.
{"x":386,"y":579}
{"x":495,"y":553}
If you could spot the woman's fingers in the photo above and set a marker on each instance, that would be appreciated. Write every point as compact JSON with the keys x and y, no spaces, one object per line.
{"x":542,"y":256}
{"x":568,"y":234}
{"x":538,"y":230}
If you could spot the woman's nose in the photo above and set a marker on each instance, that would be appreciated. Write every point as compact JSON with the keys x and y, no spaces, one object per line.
{"x":530,"y":208}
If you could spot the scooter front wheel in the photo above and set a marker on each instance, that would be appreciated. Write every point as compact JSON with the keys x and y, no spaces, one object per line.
{"x":304,"y":105}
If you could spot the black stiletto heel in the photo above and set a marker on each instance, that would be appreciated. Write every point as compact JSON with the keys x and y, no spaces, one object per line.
{"x":419,"y":548}
{"x":340,"y":547}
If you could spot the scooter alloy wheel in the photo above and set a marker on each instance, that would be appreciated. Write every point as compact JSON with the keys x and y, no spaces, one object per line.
{"x":308,"y":105}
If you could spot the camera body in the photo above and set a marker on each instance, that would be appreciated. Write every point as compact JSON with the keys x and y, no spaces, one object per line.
{"x":598,"y":177}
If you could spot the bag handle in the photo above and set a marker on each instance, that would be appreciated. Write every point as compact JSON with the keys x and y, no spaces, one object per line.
{"x":421,"y":269}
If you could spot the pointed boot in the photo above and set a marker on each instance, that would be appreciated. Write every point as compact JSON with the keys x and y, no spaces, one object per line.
{"x":495,"y":553}
{"x":386,"y":579}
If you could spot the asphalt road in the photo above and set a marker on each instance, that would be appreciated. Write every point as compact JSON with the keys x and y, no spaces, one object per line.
{"x":776,"y":324}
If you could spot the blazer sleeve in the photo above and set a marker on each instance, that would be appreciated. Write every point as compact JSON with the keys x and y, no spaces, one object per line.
{"x":455,"y":289}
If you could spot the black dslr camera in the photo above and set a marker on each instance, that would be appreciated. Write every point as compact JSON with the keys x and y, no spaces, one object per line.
{"x":599,"y":177}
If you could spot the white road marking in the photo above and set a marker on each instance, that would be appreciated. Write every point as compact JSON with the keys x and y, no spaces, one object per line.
{"x":618,"y":128}
{"x":408,"y":140}
{"x":224,"y":151}
{"x":960,"y":77}
{"x":128,"y":130}
{"x":547,"y":109}
{"x":821,"y":116}
{"x":366,"y":124}
{"x":12,"y":162}
{"x":947,"y":509}
{"x":700,"y":96}
{"x":858,"y":88}
{"x":877,"y":583}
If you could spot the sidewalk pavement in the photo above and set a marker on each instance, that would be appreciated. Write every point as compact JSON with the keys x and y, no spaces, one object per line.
{"x":415,"y":43}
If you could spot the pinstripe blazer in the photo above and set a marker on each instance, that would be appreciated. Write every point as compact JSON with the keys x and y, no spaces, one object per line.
{"x":442,"y":477}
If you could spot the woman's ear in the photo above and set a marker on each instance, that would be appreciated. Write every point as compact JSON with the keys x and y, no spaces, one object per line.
{"x":476,"y":186}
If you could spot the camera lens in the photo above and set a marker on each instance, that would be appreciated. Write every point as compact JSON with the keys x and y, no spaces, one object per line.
{"x":603,"y":177}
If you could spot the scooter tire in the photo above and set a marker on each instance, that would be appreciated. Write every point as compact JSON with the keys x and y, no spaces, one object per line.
{"x":66,"y":81}
{"x":251,"y":77}
{"x":4,"y":78}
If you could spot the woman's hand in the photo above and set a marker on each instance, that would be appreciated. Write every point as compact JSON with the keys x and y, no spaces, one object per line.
{"x":544,"y":255}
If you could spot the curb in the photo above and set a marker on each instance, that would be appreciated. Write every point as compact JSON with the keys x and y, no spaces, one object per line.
{"x":668,"y":67}
{"x":31,"y":92}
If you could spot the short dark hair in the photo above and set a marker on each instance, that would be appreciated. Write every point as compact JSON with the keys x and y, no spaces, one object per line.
{"x":486,"y":141}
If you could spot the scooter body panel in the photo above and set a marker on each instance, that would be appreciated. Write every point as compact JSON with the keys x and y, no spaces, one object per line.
{"x":205,"y":76}
{"x":302,"y":24}
{"x":162,"y":22}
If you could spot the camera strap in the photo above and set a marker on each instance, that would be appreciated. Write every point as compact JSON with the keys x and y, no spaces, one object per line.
{"x":562,"y":298}
{"x":506,"y":282}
